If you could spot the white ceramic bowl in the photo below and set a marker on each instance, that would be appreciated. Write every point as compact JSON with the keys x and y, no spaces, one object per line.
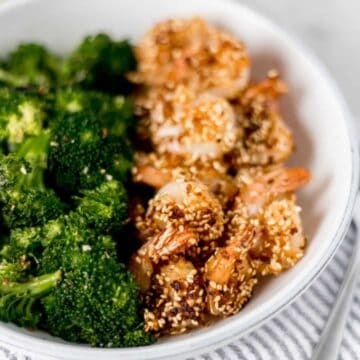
{"x":314,"y":109}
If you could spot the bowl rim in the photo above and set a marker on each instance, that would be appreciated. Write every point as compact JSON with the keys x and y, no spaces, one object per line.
{"x":214,"y":338}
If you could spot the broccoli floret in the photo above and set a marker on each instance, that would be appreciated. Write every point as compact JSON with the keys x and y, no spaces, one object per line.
{"x":23,"y":197}
{"x":19,"y":292}
{"x":29,"y":208}
{"x":117,"y":155}
{"x":28,"y":243}
{"x":83,"y":154}
{"x":69,"y":241}
{"x":138,"y":337}
{"x":24,"y":245}
{"x":26,"y":166}
{"x":31,"y":64}
{"x":102,"y":210}
{"x":12,"y":271}
{"x":97,"y":302}
{"x":60,"y":271}
{"x":35,"y":151}
{"x":19,"y":299}
{"x":105,"y":207}
{"x":100,"y":63}
{"x":114,"y":112}
{"x":21,"y":115}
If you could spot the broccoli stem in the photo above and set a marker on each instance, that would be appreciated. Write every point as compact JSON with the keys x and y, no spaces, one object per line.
{"x":38,"y":286}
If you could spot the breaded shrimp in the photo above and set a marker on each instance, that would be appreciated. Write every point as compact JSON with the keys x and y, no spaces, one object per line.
{"x":269,"y":204}
{"x":193,"y":53}
{"x":184,"y":203}
{"x":213,"y":148}
{"x":264,"y":139}
{"x":229,"y":276}
{"x":265,"y":188}
{"x":157,"y":170}
{"x":176,"y":300}
{"x":189,"y":124}
{"x":168,"y":243}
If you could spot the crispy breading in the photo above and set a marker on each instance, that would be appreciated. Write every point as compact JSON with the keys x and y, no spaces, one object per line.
{"x":193,"y":53}
{"x":213,"y":146}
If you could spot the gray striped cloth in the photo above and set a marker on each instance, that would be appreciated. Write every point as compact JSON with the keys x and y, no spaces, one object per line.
{"x":294,"y":333}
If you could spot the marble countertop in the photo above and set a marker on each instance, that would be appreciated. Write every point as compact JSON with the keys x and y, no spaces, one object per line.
{"x":331,"y":28}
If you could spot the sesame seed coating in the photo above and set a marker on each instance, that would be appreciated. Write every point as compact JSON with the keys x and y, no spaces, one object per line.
{"x":264,"y":138}
{"x":193,"y":53}
{"x":176,"y":300}
{"x":230,"y":276}
{"x":184,"y":203}
{"x":212,"y":147}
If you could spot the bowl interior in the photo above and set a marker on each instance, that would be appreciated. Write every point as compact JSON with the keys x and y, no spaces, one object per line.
{"x":313,"y":109}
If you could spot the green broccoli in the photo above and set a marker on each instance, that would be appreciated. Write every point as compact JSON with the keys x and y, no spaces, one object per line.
{"x":21,"y":115}
{"x":12,"y":271}
{"x":24,"y":199}
{"x":63,"y":129}
{"x":97,"y":302}
{"x":105,"y":207}
{"x":114,"y":112}
{"x":100,"y":63}
{"x":25,"y":244}
{"x":34,"y":151}
{"x":102,"y":210}
{"x":29,"y":208}
{"x":19,"y":293}
{"x":119,"y":154}
{"x":31,"y":65}
{"x":87,"y":296}
{"x":83,"y":154}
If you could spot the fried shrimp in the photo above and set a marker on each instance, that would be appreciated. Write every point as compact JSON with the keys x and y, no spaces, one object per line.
{"x":184,"y":203}
{"x":193,"y":53}
{"x":168,"y":243}
{"x":188,"y":124}
{"x":264,"y":137}
{"x":176,"y":300}
{"x":246,"y":174}
{"x":158,"y":170}
{"x":268,"y":187}
{"x":229,"y":276}
{"x":211,"y":147}
{"x":207,"y":130}
{"x":270,"y":204}
{"x":266,"y":91}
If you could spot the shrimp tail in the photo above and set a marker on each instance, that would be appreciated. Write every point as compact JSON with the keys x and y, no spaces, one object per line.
{"x":288,"y":179}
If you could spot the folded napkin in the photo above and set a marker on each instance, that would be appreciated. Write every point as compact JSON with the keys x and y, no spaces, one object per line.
{"x":294,"y":333}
